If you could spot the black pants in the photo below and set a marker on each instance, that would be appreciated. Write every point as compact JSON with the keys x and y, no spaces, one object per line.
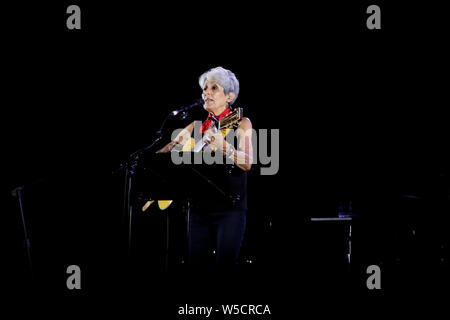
{"x":215,"y":237}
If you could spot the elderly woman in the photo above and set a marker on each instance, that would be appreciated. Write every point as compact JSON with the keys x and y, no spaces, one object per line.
{"x":218,"y":225}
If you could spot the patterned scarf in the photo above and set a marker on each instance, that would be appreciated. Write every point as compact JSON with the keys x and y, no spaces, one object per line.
{"x":211,"y":119}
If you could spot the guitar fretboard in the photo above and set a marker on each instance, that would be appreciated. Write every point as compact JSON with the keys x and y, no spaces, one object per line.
{"x":232,"y":119}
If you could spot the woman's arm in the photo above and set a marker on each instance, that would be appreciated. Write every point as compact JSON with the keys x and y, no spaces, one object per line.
{"x":243,"y":156}
{"x":180,"y":139}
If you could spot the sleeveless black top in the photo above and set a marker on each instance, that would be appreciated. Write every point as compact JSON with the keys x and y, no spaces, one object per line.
{"x":230,"y":182}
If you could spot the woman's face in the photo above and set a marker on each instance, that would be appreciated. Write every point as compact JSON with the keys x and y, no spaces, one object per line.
{"x":215,"y":97}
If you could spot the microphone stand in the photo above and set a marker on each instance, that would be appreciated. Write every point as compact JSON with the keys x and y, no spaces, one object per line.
{"x":17,"y":192}
{"x":130,"y":166}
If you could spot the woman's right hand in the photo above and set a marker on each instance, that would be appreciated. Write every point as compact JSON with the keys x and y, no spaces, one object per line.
{"x":184,"y":135}
{"x":167,"y":148}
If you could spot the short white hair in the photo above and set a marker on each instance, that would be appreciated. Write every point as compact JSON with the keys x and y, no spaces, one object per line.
{"x":224,"y":77}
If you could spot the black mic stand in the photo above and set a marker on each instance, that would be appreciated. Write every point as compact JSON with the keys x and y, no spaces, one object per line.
{"x":130,"y":167}
{"x":17,"y":192}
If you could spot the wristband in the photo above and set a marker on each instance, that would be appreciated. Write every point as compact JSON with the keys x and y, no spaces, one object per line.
{"x":230,"y":151}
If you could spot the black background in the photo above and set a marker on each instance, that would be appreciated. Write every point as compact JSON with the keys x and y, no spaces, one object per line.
{"x":360,"y":113}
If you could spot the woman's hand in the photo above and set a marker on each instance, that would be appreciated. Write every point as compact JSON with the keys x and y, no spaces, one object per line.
{"x":183,"y":137}
{"x":215,"y":140}
{"x":167,"y":148}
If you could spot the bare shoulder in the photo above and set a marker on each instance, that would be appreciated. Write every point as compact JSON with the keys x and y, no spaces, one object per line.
{"x":245,"y":124}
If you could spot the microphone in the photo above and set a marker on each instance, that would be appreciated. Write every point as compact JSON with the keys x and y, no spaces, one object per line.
{"x":198,"y":102}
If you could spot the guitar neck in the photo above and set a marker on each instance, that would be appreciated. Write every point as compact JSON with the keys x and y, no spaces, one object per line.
{"x":231,"y":120}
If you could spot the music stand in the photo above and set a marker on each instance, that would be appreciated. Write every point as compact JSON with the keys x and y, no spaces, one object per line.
{"x":158,"y":178}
